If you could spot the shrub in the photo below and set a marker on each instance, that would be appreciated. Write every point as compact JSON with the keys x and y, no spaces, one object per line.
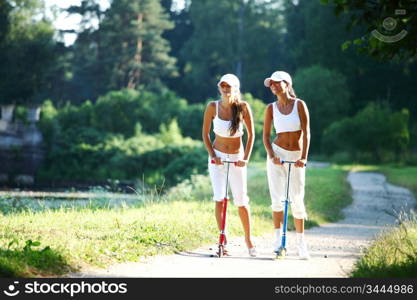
{"x":374,"y":134}
{"x":81,"y":148}
{"x":258,"y":111}
{"x":327,"y":97}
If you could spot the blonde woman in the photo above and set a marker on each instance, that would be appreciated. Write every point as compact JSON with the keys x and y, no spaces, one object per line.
{"x":290,"y":119}
{"x":228,"y":115}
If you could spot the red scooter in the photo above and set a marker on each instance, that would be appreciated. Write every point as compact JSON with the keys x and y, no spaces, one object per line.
{"x":222,"y":238}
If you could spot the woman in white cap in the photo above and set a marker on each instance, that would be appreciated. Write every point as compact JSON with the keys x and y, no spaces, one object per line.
{"x":228,"y":116}
{"x":290,"y":118}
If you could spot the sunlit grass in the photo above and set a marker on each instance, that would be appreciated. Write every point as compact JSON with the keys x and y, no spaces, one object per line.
{"x":99,"y":234}
{"x":394,"y":252}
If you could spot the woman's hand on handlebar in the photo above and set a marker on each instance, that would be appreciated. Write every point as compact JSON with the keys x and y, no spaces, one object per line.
{"x":241,"y":163}
{"x":301,"y":163}
{"x":217,"y":160}
{"x":276,"y":160}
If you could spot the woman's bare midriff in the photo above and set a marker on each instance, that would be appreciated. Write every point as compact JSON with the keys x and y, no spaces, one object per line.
{"x":289,"y":140}
{"x":227,"y":145}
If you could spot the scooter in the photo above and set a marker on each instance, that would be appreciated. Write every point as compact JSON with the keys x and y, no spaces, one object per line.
{"x":222,"y":237}
{"x":282,"y":251}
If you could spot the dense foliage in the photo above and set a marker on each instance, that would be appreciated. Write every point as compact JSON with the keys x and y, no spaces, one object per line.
{"x":134,"y":84}
{"x":106,"y":140}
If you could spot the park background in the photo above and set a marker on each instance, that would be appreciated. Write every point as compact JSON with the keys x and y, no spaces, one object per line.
{"x":120,"y":109}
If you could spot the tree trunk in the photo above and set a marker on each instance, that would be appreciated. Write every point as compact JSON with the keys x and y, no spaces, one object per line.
{"x":134,"y":74}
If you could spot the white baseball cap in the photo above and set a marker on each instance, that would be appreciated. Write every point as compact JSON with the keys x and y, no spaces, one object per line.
{"x":278,"y":76}
{"x":230,"y":79}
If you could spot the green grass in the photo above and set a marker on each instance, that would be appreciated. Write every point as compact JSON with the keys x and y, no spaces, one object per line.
{"x":404,"y":176}
{"x":31,"y":262}
{"x":327,"y":192}
{"x":396,"y":174}
{"x":183,"y":219}
{"x":394,"y":252}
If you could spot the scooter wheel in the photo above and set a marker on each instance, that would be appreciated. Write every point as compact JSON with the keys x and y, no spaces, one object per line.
{"x":281,"y":253}
{"x":220,"y":252}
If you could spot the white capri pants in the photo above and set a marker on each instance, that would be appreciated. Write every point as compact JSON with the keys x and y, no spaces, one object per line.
{"x":277,"y":181}
{"x":237,"y":178}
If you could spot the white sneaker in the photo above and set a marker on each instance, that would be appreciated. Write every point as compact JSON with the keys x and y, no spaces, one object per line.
{"x":302,"y":250}
{"x":277,"y":245}
{"x":252,"y":252}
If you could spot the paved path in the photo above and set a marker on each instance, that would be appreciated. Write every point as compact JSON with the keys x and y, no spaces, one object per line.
{"x":334,"y":247}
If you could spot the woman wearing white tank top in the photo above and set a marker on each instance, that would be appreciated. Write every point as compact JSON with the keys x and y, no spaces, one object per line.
{"x":290,"y":118}
{"x":228,"y":116}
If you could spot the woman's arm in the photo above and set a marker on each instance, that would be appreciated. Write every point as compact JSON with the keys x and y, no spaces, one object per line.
{"x":208,"y":117}
{"x":248,"y":118}
{"x":267,"y":135}
{"x":267,"y":131}
{"x":305,"y":128}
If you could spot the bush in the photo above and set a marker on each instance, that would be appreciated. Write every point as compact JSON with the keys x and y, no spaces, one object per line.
{"x":327,"y":97}
{"x":341,"y":158}
{"x":48,"y":123}
{"x":71,"y":116}
{"x":258,"y":112}
{"x":411,"y":157}
{"x":118,"y":111}
{"x":188,"y":164}
{"x":79,"y":147}
{"x":374,"y":134}
{"x":190,"y":120}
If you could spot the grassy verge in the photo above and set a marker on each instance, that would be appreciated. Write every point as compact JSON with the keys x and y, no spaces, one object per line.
{"x":405,"y":176}
{"x":99,"y":235}
{"x":394,"y":252}
{"x":29,"y":262}
{"x":392,"y":255}
{"x":398,"y":175}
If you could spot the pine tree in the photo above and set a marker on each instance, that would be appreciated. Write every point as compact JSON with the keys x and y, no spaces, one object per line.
{"x":132,"y":45}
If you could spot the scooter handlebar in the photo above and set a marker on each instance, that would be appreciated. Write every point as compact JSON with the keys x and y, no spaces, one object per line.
{"x":290,"y":162}
{"x":225,"y":161}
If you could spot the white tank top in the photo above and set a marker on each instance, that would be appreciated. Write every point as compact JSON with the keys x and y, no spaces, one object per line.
{"x":286,"y":123}
{"x":222,"y":127}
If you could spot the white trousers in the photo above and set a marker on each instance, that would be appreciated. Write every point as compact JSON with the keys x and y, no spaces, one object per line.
{"x":237,"y":178}
{"x":278,"y":180}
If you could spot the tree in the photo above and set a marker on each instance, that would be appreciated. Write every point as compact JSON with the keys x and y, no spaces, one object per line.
{"x":135,"y":52}
{"x":327,"y":97}
{"x":27,"y":50}
{"x":315,"y":35}
{"x":5,"y":9}
{"x":391,"y":26}
{"x":87,"y":63}
{"x":239,"y":36}
{"x":177,"y":37}
{"x":374,"y":134}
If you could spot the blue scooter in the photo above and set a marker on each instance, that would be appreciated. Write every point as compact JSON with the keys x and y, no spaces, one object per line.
{"x":282,"y":251}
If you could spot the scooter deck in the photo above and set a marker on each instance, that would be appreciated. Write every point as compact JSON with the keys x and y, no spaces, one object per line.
{"x":281,"y":253}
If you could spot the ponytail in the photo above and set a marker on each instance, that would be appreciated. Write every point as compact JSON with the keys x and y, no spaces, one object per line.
{"x":236,"y":112}
{"x":291,"y":91}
